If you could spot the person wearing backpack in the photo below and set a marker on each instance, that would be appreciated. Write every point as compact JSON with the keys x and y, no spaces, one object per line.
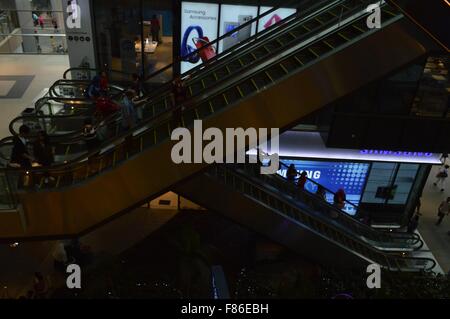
{"x":441,"y":177}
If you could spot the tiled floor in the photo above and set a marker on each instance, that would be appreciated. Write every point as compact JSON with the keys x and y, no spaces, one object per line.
{"x":44,"y":70}
{"x":436,"y":237}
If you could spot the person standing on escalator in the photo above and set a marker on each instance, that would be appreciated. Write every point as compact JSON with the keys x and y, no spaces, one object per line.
{"x":179,"y":97}
{"x":128,"y":111}
{"x":321,"y":192}
{"x":291,"y":173}
{"x":302,"y":180}
{"x":155,"y":28}
{"x":104,"y":82}
{"x":340,"y":198}
{"x":20,"y":154}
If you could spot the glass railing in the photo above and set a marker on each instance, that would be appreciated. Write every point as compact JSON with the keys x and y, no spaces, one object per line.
{"x":395,"y":261}
{"x":317,"y":202}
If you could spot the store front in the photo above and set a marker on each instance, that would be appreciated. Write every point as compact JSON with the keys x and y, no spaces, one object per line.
{"x":385,"y":185}
{"x":146,"y":36}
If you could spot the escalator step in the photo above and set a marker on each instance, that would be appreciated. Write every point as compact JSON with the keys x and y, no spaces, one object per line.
{"x":272,"y":46}
{"x":335,"y":40}
{"x":312,"y":25}
{"x":260,"y":52}
{"x":299,"y":32}
{"x":262,"y":80}
{"x":234,"y":66}
{"x":305,"y":56}
{"x":276,"y":72}
{"x":286,"y":38}
{"x":222,"y":72}
{"x":204,"y":110}
{"x":196,"y":88}
{"x":218,"y":102}
{"x":233,"y":95}
{"x":247,"y":59}
{"x":321,"y":48}
{"x":210,"y":80}
{"x":248,"y":87}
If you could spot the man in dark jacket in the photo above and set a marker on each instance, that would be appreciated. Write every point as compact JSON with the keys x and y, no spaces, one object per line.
{"x":20,"y":154}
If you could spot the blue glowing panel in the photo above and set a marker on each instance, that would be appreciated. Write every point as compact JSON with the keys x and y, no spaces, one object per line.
{"x":334,"y":175}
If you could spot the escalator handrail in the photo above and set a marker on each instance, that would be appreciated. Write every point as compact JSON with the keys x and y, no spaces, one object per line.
{"x":385,"y":255}
{"x":358,"y":223}
{"x":340,"y":211}
{"x":353,"y":221}
{"x":52,"y":89}
{"x":40,"y":103}
{"x":83,"y":69}
{"x":122,"y":136}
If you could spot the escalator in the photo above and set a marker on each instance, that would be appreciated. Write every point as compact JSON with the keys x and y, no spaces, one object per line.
{"x":63,"y":109}
{"x":301,"y":220}
{"x":320,"y":60}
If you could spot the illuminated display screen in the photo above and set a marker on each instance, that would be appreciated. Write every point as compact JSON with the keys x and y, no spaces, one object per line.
{"x":198,"y":27}
{"x":233,"y":16}
{"x":274,"y":17}
{"x":350,"y":176}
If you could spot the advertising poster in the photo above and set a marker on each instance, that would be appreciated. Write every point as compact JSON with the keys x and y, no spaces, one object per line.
{"x":350,"y":176}
{"x":274,"y":17}
{"x":198,"y":26}
{"x":233,"y":16}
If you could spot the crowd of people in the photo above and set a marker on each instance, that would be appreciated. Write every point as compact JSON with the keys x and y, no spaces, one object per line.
{"x":112,"y":116}
{"x":34,"y":149}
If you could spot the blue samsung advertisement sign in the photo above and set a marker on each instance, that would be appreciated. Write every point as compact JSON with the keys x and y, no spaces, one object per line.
{"x":350,"y":176}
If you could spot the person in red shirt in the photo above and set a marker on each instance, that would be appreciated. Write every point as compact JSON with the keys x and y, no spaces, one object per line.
{"x":104,"y":83}
{"x":302,"y":180}
{"x":340,"y":198}
{"x":105,"y":107}
{"x":155,"y":27}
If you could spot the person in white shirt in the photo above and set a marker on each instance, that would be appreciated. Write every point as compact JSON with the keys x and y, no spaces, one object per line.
{"x":441,"y":177}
